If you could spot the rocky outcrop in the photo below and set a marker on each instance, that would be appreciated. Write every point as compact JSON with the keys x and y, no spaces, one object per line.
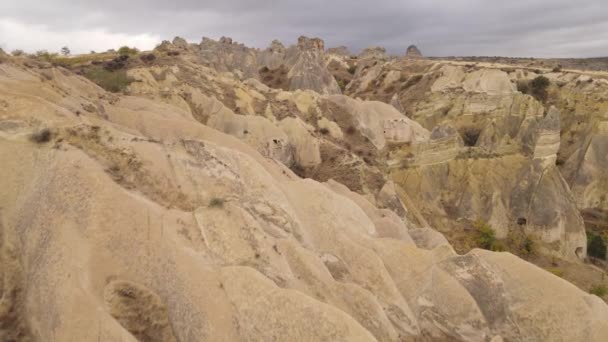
{"x":226,"y":55}
{"x":309,"y":71}
{"x":588,"y":182}
{"x":376,"y":52}
{"x":546,"y":144}
{"x":413,"y":52}
{"x":341,"y":51}
{"x":381,"y":123}
{"x":273,"y":57}
{"x":484,"y":132}
{"x":306,"y":147}
{"x":300,"y":67}
{"x":137,"y":220}
{"x":180,"y":43}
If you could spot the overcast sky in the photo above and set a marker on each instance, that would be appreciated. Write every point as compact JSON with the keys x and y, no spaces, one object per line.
{"x":539,"y":28}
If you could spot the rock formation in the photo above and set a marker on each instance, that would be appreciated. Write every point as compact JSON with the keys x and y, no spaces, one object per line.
{"x":502,"y":169}
{"x":226,"y":55}
{"x":373,"y":52}
{"x":309,"y":71}
{"x":274,"y":56}
{"x":339,"y":51}
{"x":413,"y":52}
{"x":176,"y":211}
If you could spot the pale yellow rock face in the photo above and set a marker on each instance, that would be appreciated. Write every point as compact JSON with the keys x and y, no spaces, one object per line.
{"x":136,"y":220}
{"x":489,"y":81}
{"x":306,"y":147}
{"x":451,"y":78}
{"x":381,"y":123}
{"x":258,"y":132}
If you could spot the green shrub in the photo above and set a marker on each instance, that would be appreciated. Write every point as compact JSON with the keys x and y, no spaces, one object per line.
{"x":342,"y":85}
{"x":45,"y":55}
{"x":528,"y":246}
{"x":125,"y":50}
{"x":596,"y":246}
{"x":521,"y":244}
{"x":540,"y":83}
{"x":216,"y":203}
{"x":485,"y":237}
{"x":113,"y":81}
{"x":536,"y":87}
{"x":598,"y":290}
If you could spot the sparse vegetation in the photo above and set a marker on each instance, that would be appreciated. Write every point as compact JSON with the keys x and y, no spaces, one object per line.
{"x":536,"y":87}
{"x":42,"y":136}
{"x":596,"y":246}
{"x":17,"y":53}
{"x":113,"y":81}
{"x":342,"y":84}
{"x":45,"y":55}
{"x":65,"y":51}
{"x":352,"y":69}
{"x":324,"y":131}
{"x":557,"y":272}
{"x":599,"y":290}
{"x":528,"y":246}
{"x":540,"y":83}
{"x":117,"y":63}
{"x":127,"y":51}
{"x":485,"y":236}
{"x":521,"y":244}
{"x":216,"y":202}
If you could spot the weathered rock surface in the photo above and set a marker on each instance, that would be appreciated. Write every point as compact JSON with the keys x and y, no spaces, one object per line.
{"x":309,"y":71}
{"x":376,"y":52}
{"x":498,"y":146}
{"x":339,"y":51}
{"x":170,"y":214}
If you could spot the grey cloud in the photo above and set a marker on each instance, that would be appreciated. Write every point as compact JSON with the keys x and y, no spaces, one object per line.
{"x":439,"y":27}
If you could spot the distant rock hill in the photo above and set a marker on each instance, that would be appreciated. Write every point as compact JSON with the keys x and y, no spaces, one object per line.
{"x":413,"y":52}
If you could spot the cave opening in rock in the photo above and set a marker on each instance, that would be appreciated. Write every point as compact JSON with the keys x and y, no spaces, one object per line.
{"x":470,"y":135}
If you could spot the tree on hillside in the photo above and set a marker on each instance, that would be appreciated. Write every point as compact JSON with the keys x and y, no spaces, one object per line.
{"x":65,"y":51}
